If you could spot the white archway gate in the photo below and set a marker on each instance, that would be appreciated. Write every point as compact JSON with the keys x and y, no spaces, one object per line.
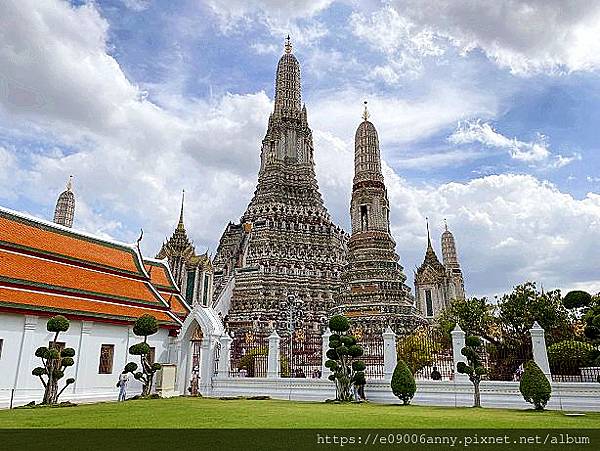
{"x":197,"y":343}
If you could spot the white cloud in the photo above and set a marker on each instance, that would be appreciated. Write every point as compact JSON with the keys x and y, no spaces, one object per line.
{"x":280,"y":18}
{"x":509,"y":228}
{"x":131,"y":157}
{"x":386,"y":30}
{"x":468,"y":132}
{"x":526,"y":36}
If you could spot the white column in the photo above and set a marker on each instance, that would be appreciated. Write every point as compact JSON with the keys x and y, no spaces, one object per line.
{"x":540,"y":354}
{"x":458,"y":342}
{"x":225,"y":356}
{"x":325,"y":347}
{"x":23,"y":376}
{"x":207,"y":354}
{"x":390,"y":355}
{"x":85,"y":359}
{"x":273,"y":365}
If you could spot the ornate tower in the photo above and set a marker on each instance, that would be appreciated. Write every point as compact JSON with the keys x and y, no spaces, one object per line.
{"x":437,"y":284}
{"x":65,"y":206}
{"x":374,"y":293}
{"x":192,"y":273}
{"x":285,"y":244}
{"x":450,"y":259}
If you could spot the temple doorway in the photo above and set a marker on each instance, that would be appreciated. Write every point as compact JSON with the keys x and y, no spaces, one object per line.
{"x":196,"y":354}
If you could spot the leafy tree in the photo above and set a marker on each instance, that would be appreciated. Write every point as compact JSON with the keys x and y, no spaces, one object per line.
{"x":248,"y":361}
{"x":474,"y":369}
{"x":418,"y":350}
{"x":517,"y":311}
{"x":403,"y":382}
{"x":534,"y":386}
{"x":566,"y":357}
{"x":144,"y":326}
{"x":577,"y":299}
{"x":54,"y":361}
{"x":343,"y":353}
{"x":475,"y":316}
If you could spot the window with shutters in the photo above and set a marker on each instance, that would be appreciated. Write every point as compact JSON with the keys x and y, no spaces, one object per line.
{"x":107,"y":353}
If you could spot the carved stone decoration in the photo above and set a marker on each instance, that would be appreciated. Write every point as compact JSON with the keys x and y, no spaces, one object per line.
{"x":285,"y":243}
{"x":374,"y":294}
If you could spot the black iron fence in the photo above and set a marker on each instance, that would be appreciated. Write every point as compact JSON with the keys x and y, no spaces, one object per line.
{"x":300,"y":355}
{"x":372,"y":344}
{"x":428,"y":354}
{"x":505,"y":359}
{"x":249,"y":354}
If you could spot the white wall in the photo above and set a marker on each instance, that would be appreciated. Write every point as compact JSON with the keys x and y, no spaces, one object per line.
{"x":22,"y":336}
{"x":573,"y":396}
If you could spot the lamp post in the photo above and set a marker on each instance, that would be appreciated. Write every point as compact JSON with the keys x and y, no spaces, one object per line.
{"x":291,"y":313}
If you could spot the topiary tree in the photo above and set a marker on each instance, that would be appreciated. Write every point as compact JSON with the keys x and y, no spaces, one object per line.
{"x":54,"y":361}
{"x":534,"y":386}
{"x":342,"y":353}
{"x":403,"y":382}
{"x":145,"y":326}
{"x":567,"y":357}
{"x":577,"y":299}
{"x":474,"y":369}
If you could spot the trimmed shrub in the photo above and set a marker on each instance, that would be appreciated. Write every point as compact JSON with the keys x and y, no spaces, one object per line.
{"x":54,"y":362}
{"x":534,"y":386}
{"x":403,"y":383}
{"x":343,"y":349}
{"x":339,"y":323}
{"x":474,"y":369}
{"x":577,"y":299}
{"x":57,"y":323}
{"x":566,"y":357}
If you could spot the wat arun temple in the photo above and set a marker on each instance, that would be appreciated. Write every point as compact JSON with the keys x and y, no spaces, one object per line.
{"x":285,"y":265}
{"x":287,"y":250}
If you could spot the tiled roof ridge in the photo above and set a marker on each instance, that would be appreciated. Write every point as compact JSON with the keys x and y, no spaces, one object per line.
{"x":80,"y":298}
{"x":130,"y":247}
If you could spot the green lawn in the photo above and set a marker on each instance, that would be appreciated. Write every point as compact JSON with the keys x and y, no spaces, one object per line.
{"x":214,"y":413}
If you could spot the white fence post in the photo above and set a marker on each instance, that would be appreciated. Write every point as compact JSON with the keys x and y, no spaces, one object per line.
{"x":325,"y":347}
{"x":225,"y":355}
{"x":538,"y":345}
{"x":390,"y":355}
{"x":273,"y":364}
{"x":458,"y":342}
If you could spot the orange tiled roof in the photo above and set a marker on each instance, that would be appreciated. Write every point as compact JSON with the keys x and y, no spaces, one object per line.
{"x":26,"y":234}
{"x":32,"y":271}
{"x":160,"y":275}
{"x":44,"y":267}
{"x":176,"y":301}
{"x":161,"y":278}
{"x":20,"y":299}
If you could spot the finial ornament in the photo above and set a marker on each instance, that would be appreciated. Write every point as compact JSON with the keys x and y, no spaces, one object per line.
{"x":428,"y":235}
{"x":182,"y":200}
{"x":70,"y":183}
{"x":366,"y":114}
{"x":446,"y":224}
{"x":288,"y":44}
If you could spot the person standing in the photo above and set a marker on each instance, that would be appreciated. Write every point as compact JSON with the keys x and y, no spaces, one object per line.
{"x":122,"y":384}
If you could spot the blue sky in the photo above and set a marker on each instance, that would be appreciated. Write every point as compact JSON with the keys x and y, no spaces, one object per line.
{"x":487,"y":116}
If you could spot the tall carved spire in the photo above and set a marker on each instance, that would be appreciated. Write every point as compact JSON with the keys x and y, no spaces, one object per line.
{"x":367,"y":160}
{"x":64,"y":212}
{"x":374,"y":287}
{"x":287,"y":84}
{"x":449,"y":254}
{"x":180,"y":224}
{"x":430,"y":255}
